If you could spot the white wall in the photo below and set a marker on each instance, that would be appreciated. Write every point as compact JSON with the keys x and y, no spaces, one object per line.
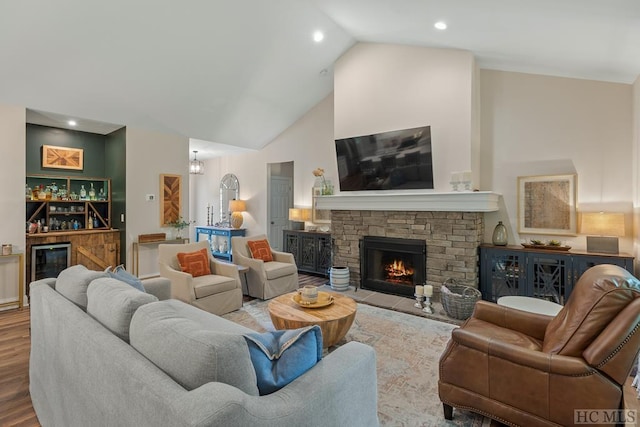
{"x":309,"y":143}
{"x":150,"y":154}
{"x":636,"y":170}
{"x":541,"y":125}
{"x":12,"y":197}
{"x":382,"y":87}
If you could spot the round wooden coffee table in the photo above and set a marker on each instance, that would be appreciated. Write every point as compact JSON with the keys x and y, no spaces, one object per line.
{"x":334,"y":320}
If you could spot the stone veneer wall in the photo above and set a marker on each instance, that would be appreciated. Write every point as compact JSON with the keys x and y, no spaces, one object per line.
{"x":452,"y":240}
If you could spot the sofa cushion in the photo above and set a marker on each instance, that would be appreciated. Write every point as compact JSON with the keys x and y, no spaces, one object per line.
{"x":260,"y":249}
{"x":195,"y":263}
{"x":72,"y":283}
{"x":120,"y":273}
{"x":205,"y":286}
{"x":113,"y":302}
{"x":282,"y":356}
{"x":277,"y":269}
{"x":192,"y":346}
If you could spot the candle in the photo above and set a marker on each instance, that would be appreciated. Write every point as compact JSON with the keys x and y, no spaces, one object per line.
{"x":465,"y":176}
{"x":456,"y":177}
{"x":419,"y":290}
{"x":428,"y":290}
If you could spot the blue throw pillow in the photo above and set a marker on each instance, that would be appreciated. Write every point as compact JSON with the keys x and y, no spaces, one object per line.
{"x":121,"y":274}
{"x":282,"y":356}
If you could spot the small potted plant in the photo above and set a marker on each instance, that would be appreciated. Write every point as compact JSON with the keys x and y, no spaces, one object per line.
{"x":180,"y":224}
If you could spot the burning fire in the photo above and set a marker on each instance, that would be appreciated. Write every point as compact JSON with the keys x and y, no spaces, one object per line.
{"x":398,"y":272}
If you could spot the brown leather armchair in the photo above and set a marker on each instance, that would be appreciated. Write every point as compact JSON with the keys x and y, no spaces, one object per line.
{"x":526,"y":369}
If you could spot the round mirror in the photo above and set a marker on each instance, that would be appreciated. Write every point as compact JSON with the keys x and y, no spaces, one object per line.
{"x":229,"y":190}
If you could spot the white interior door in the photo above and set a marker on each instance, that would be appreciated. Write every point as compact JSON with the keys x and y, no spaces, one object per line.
{"x":279,"y":204}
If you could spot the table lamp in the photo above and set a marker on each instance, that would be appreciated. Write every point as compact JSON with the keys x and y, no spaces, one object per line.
{"x":236,"y":207}
{"x":603,"y":228}
{"x":298,"y":216}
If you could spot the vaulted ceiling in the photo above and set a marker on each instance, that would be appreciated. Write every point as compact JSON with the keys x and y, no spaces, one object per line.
{"x":239,"y":72}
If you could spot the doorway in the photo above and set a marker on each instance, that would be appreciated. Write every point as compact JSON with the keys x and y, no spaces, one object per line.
{"x":280,"y":199}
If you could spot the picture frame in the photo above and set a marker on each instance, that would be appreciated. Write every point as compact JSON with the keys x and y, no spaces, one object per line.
{"x":547,"y":204}
{"x":55,"y":157}
{"x":170,"y":199}
{"x":319,"y":216}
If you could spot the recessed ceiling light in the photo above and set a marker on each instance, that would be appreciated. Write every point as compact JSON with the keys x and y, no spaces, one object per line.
{"x":318,"y":36}
{"x":440,"y":25}
{"x":71,"y":123}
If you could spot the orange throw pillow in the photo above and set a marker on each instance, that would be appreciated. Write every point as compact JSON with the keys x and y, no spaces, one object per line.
{"x":260,"y":250}
{"x":195,"y":263}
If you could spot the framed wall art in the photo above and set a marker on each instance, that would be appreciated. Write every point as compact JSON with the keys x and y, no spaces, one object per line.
{"x":547,"y":204}
{"x":170,"y":199}
{"x":62,"y":157}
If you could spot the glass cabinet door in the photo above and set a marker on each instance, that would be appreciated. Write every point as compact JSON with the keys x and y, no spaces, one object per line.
{"x":548,"y":277}
{"x":503,"y":273}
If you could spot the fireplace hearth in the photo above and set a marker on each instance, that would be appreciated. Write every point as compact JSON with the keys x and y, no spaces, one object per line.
{"x":392,"y":265}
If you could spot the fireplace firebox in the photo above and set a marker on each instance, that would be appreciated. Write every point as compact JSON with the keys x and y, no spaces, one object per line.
{"x":392,"y":265}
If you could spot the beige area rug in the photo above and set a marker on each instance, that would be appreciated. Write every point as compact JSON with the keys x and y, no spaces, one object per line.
{"x":407,"y":349}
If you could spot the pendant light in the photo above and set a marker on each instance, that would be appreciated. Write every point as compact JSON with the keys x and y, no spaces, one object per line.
{"x":196,"y":167}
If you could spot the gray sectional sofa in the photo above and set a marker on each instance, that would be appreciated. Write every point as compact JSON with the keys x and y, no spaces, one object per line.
{"x":106,"y":354}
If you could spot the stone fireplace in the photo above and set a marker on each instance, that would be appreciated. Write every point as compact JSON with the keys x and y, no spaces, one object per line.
{"x":450,"y":224}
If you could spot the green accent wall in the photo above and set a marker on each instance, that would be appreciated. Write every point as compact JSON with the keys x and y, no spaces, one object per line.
{"x":92,"y":144}
{"x":115,"y":167}
{"x":104,"y":157}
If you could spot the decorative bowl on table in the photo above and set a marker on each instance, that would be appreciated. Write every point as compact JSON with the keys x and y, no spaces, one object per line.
{"x":546,"y":247}
{"x":324,"y":299}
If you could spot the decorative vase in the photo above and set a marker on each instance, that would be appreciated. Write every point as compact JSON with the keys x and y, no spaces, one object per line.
{"x":327,"y":188}
{"x":500,"y":237}
{"x":339,"y":278}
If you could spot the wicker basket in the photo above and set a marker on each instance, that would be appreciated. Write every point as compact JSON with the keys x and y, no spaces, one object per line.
{"x":458,"y":300}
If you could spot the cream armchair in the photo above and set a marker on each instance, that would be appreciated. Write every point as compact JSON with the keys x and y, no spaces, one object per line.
{"x":265,"y":280}
{"x":218,"y":293}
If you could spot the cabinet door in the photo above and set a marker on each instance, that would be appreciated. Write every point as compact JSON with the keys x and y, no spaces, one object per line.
{"x":324,"y":254}
{"x":291,"y":244}
{"x":549,"y":276}
{"x":582,"y":263}
{"x":308,"y":253}
{"x":502,"y":273}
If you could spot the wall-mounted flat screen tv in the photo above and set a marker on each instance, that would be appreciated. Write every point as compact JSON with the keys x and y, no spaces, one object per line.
{"x":394,"y":160}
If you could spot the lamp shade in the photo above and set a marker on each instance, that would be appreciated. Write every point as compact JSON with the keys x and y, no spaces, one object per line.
{"x":295,"y":214}
{"x":299,"y":214}
{"x":237,"y":206}
{"x":602,"y":224}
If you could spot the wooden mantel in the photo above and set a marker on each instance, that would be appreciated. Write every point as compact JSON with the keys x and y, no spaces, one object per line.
{"x":455,"y":201}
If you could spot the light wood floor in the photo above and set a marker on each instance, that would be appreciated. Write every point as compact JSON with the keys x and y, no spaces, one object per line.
{"x":15,"y":342}
{"x":15,"y":402}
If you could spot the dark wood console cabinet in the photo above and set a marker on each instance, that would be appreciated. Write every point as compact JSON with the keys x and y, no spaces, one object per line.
{"x":547,"y":274}
{"x":312,"y":250}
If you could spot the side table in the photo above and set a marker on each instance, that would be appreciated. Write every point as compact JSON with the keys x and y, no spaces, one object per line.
{"x":243,"y":270}
{"x":530,"y":304}
{"x":20,"y":300}
{"x":135,"y":254}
